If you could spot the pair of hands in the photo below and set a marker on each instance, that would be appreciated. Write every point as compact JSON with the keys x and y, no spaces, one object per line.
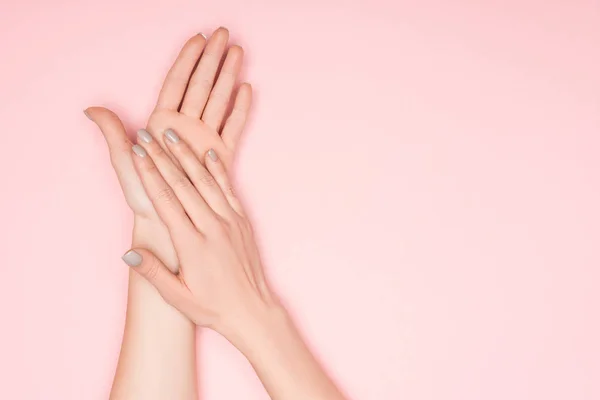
{"x":175,"y":180}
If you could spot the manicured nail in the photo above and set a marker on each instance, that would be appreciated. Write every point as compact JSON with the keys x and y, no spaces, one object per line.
{"x":87,"y":115}
{"x":144,"y":135}
{"x":132,"y":258}
{"x":172,"y":136}
{"x":202,"y":34}
{"x":139,"y":150}
{"x":213,"y":155}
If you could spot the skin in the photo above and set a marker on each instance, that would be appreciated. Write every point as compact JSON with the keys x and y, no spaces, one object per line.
{"x":221,"y":284}
{"x":157,"y":359}
{"x":194,"y":259}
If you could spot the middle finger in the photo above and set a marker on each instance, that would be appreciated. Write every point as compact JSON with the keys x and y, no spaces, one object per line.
{"x":202,"y":80}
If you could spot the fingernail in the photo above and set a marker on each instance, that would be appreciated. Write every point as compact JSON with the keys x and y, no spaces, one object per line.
{"x":132,"y":258}
{"x":87,"y":115}
{"x":144,"y":135}
{"x":172,"y":136}
{"x":213,"y":155}
{"x":139,"y":150}
{"x":202,"y":34}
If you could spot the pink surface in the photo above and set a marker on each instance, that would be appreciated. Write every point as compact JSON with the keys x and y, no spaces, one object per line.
{"x":424,"y":178}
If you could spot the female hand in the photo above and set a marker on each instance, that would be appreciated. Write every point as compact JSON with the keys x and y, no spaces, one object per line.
{"x":220,"y":280}
{"x":221,"y":284}
{"x":189,"y":103}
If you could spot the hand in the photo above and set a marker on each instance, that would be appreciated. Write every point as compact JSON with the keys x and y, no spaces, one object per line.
{"x":220,"y":278}
{"x":221,"y":284}
{"x":190,"y":104}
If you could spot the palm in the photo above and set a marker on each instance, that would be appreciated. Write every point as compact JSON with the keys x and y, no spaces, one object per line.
{"x":200,"y":136}
{"x":192,"y":102}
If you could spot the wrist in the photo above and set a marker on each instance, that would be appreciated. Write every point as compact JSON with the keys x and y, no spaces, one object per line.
{"x":143,"y":299}
{"x":270,"y":341}
{"x":260,"y":323}
{"x":151,"y":234}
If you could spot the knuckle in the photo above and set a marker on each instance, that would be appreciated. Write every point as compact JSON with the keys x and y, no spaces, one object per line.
{"x":234,"y":223}
{"x":205,"y":178}
{"x":220,"y":231}
{"x":178,"y":77}
{"x":165,"y":195}
{"x":201,"y":83}
{"x":228,"y":74}
{"x":152,"y":269}
{"x":181,"y":182}
{"x":220,"y":95}
{"x":241,"y":223}
{"x":244,"y":224}
{"x":229,"y":190}
{"x":210,"y":56}
{"x":155,"y":149}
{"x":147,"y":165}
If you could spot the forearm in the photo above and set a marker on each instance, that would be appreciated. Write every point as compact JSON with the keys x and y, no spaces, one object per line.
{"x":157,"y":359}
{"x":285,"y":365}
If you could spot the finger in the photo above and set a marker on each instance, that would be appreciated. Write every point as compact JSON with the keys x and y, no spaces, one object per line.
{"x":219,"y":98}
{"x":177,"y":79}
{"x":114,"y":133}
{"x":193,"y":204}
{"x":165,"y":202}
{"x":202,"y":80}
{"x":217,"y":170}
{"x":237,"y":119}
{"x":199,"y":175}
{"x":119,"y":148}
{"x":170,"y":287}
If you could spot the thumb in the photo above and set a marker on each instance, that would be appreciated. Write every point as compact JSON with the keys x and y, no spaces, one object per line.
{"x":113,"y":130}
{"x":150,"y":267}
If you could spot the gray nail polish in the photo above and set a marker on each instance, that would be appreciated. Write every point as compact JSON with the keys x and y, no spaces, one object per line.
{"x":87,"y":115}
{"x":139,"y":150}
{"x":172,"y":136}
{"x":144,"y":135}
{"x":132,"y":258}
{"x":213,"y":155}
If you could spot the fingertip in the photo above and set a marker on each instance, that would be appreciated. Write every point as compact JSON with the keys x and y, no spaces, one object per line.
{"x":101,"y":113}
{"x":236,"y":50}
{"x":132,"y":258}
{"x":172,"y":137}
{"x":139,"y":151}
{"x":222,"y":30}
{"x":94,"y":112}
{"x":198,"y":40}
{"x":212,"y":156}
{"x":221,"y":34}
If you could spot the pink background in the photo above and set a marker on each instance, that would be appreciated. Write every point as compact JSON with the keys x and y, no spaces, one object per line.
{"x":423,"y":175}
